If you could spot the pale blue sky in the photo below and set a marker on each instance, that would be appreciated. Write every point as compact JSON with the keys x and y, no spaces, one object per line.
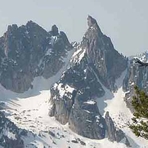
{"x":125,"y":21}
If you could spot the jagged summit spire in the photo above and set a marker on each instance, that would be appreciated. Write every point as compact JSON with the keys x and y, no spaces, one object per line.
{"x":31,"y":23}
{"x":92,"y":23}
{"x":54,"y":30}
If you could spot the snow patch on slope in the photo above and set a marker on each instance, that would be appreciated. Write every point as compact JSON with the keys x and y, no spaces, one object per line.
{"x":31,"y":113}
{"x":117,"y":105}
{"x":78,"y":55}
{"x":142,"y":57}
{"x":63,"y":90}
{"x":90,"y":102}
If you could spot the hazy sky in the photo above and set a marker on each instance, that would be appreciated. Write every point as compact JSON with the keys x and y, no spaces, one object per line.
{"x":124,"y":21}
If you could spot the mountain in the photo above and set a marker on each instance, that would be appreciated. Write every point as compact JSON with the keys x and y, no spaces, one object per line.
{"x":30,"y":51}
{"x":60,"y":94}
{"x":74,"y":96}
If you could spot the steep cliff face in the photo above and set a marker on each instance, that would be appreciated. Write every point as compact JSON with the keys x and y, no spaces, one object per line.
{"x":29,"y":51}
{"x":136,"y":75}
{"x":113,"y":133}
{"x":73,"y":102}
{"x":94,"y":63}
{"x":101,"y":53}
{"x":86,"y":120}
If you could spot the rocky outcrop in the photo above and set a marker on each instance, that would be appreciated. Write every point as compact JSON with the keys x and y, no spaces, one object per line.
{"x":111,"y":130}
{"x":113,"y":133}
{"x":75,"y":82}
{"x":54,"y":30}
{"x":94,"y":63}
{"x":86,"y":120}
{"x":136,"y":76}
{"x":10,"y":135}
{"x":62,"y":102}
{"x":72,"y":99}
{"x":29,"y":51}
{"x":100,"y":52}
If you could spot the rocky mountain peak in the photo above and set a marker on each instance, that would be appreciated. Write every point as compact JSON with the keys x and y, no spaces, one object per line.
{"x":91,"y":21}
{"x":54,"y":30}
{"x":29,"y":51}
{"x":100,"y":52}
{"x":73,"y":97}
{"x":92,"y":24}
{"x":31,"y":23}
{"x":12,"y":27}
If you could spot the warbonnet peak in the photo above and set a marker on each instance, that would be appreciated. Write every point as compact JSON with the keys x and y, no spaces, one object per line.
{"x":60,"y":94}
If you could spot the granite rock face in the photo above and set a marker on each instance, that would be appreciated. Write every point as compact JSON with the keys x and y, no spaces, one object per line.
{"x":86,"y":120}
{"x":101,"y":53}
{"x":73,"y":102}
{"x":29,"y":51}
{"x":94,"y":63}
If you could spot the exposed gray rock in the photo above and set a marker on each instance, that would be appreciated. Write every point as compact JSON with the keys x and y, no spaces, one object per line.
{"x":86,"y":120}
{"x":13,"y":137}
{"x":91,"y":22}
{"x":73,"y":81}
{"x":10,"y":134}
{"x":61,"y":107}
{"x":113,"y":133}
{"x":73,"y":97}
{"x":69,"y":98}
{"x":111,"y":130}
{"x":29,"y":51}
{"x":136,"y":76}
{"x":54,"y":30}
{"x":100,"y":51}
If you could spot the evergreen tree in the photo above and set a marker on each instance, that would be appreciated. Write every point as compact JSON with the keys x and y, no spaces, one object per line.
{"x":140,"y":119}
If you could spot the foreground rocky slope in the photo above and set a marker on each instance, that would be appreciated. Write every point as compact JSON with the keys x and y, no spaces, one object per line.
{"x":95,"y":63}
{"x":10,"y":135}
